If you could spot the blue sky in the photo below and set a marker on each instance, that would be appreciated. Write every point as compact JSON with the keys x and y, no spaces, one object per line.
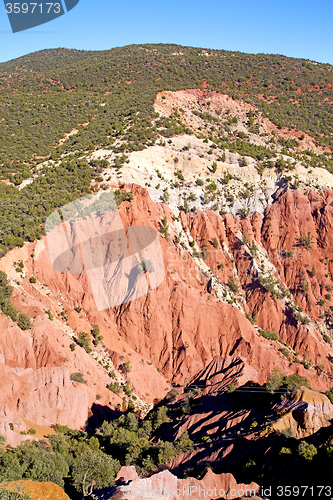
{"x":293,"y":28}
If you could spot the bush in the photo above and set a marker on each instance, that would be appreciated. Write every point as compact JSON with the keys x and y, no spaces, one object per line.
{"x":186,"y":207}
{"x":252,"y":319}
{"x":286,"y":353}
{"x":274,"y":380}
{"x":285,"y":451}
{"x":32,"y":279}
{"x":146,"y":266}
{"x":233,"y":285}
{"x":307,"y":451}
{"x":114,"y":387}
{"x":126,"y":367}
{"x":211,"y":187}
{"x":313,"y":272}
{"x":24,"y":322}
{"x":50,"y":315}
{"x":77,"y":377}
{"x":306,"y":241}
{"x":296,"y":381}
{"x":72,"y":346}
{"x":172,"y":393}
{"x":84,"y":341}
{"x":164,"y":228}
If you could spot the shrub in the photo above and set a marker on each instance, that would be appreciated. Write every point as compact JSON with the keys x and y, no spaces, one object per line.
{"x":286,"y":353}
{"x":306,"y":241}
{"x":233,"y":285}
{"x":97,"y":339}
{"x":313,"y":272}
{"x":32,"y":279}
{"x":77,"y":377}
{"x":180,"y":175}
{"x":215,"y":243}
{"x":165,"y":197}
{"x":50,"y":315}
{"x":172,"y":393}
{"x":199,"y":182}
{"x":146,"y":266}
{"x":274,"y":380}
{"x":126,"y":367}
{"x":127,"y":389}
{"x":296,"y":381}
{"x":114,"y":387}
{"x":84,"y":341}
{"x":244,"y":212}
{"x":72,"y":346}
{"x":164,"y":228}
{"x":186,"y":207}
{"x":306,"y":364}
{"x":327,"y":338}
{"x":32,"y":432}
{"x":211,"y":187}
{"x":285,"y":451}
{"x":78,"y":309}
{"x":306,"y":450}
{"x":24,"y":322}
{"x":95,"y":331}
{"x":252,"y":319}
{"x":267,"y":334}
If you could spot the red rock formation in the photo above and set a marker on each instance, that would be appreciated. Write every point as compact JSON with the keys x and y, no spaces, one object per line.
{"x":179,"y":327}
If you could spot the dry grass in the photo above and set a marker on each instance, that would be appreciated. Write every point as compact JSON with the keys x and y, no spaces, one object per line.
{"x":41,"y":431}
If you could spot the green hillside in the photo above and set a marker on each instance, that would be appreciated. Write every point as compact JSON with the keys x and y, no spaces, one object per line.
{"x":45,"y":94}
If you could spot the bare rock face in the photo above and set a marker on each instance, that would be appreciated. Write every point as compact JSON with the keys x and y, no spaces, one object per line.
{"x":307,"y":413}
{"x":36,"y":379}
{"x":127,"y":474}
{"x":166,"y":485}
{"x":179,"y":332}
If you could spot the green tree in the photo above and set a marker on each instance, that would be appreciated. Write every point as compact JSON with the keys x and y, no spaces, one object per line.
{"x":274,"y":380}
{"x":166,"y":452}
{"x":94,"y":469}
